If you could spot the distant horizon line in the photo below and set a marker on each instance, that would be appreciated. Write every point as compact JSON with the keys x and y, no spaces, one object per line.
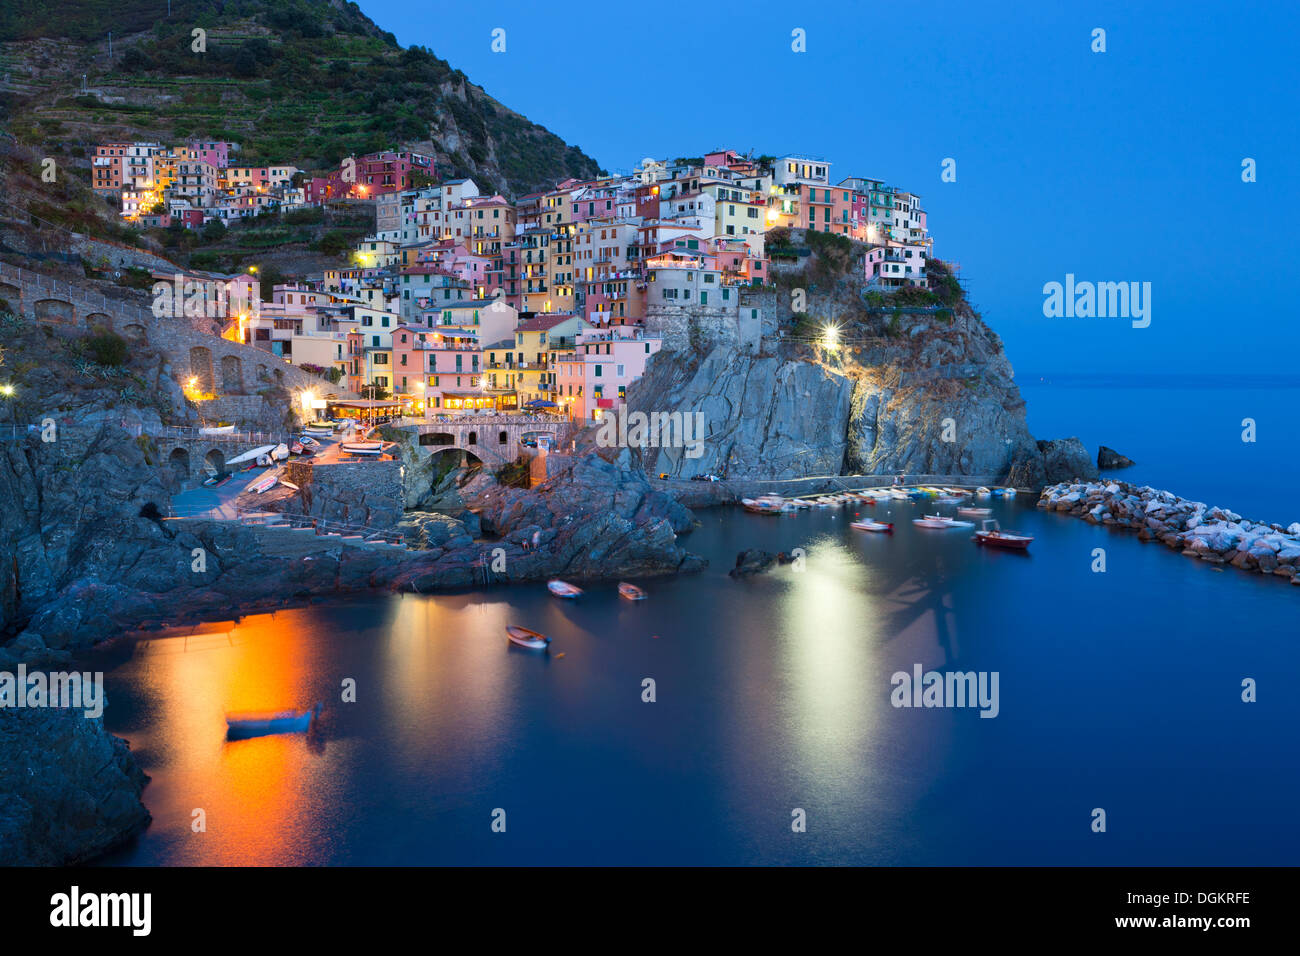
{"x":1207,"y":378}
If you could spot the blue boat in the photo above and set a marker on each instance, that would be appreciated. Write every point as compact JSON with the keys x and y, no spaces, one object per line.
{"x":243,"y":726}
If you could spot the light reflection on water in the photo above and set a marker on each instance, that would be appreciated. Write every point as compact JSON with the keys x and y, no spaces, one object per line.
{"x":772,"y":694}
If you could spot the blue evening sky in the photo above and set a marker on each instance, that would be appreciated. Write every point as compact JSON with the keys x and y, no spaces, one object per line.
{"x":1123,"y":165}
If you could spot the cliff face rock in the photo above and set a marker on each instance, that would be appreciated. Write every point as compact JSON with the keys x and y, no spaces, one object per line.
{"x":770,"y":416}
{"x":69,"y":791}
{"x":920,"y":391}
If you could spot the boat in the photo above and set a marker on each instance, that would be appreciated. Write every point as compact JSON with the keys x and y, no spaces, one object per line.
{"x":256,"y":453}
{"x":241,"y":726}
{"x":563,"y":589}
{"x":950,"y":499}
{"x":307,"y":441}
{"x":631,"y":591}
{"x":994,"y":537}
{"x":288,"y":484}
{"x":264,"y":483}
{"x":882,"y":526}
{"x":767,"y":505}
{"x":981,"y":492}
{"x":363,"y":447}
{"x":217,"y":430}
{"x":975,"y":512}
{"x":526,"y":638}
{"x":1010,"y":492}
{"x":917,"y":495}
{"x":280,"y":452}
{"x":998,"y":492}
{"x":941,"y":521}
{"x":295,"y":449}
{"x":216,"y":479}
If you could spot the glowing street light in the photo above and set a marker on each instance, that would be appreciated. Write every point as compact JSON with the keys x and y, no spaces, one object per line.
{"x":831,"y":336}
{"x":6,"y":390}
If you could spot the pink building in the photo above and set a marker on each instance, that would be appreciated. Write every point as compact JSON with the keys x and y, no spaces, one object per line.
{"x":216,"y":154}
{"x":438,"y":369}
{"x":593,"y":378}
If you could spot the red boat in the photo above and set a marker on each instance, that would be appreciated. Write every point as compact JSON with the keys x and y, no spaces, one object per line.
{"x":996,"y":538}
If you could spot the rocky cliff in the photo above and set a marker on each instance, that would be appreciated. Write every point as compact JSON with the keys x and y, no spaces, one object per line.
{"x":911,"y":382}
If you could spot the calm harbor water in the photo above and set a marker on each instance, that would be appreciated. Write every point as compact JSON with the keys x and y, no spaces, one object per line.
{"x":1118,"y":690}
{"x":1185,"y":435}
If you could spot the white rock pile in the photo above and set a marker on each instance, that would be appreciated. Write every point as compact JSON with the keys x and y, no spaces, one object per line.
{"x":1197,"y":530}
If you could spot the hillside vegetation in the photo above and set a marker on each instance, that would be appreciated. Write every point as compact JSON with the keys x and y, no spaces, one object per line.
{"x":304,"y":82}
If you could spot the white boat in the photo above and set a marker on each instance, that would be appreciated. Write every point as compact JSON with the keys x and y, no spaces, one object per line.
{"x":563,"y":589}
{"x":264,"y":483}
{"x":217,"y":430}
{"x":362,"y":447}
{"x":288,"y":484}
{"x":241,"y":726}
{"x":280,"y":452}
{"x":941,"y":521}
{"x":981,"y":492}
{"x":1010,"y":492}
{"x":631,"y":591}
{"x":950,"y":499}
{"x":307,"y":441}
{"x":975,"y":512}
{"x":253,"y":455}
{"x":881,"y":526}
{"x":525,"y":637}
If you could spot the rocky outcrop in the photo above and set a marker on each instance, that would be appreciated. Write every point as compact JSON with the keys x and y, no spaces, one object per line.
{"x":1110,"y":458}
{"x":1065,"y":459}
{"x":1198,"y":531}
{"x":752,"y":561}
{"x":69,"y":791}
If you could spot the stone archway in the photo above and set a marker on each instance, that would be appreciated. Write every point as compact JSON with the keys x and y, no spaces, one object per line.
{"x":99,"y":320}
{"x":135,"y":333}
{"x":201,"y":368}
{"x":214,"y":462}
{"x":13,"y":295}
{"x":232,"y":374}
{"x":437,"y":438}
{"x":55,"y":311}
{"x":179,"y":460}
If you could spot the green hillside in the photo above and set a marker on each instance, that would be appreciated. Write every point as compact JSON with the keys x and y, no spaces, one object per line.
{"x":304,"y":82}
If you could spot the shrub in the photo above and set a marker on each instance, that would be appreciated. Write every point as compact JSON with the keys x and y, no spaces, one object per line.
{"x":107,"y":348}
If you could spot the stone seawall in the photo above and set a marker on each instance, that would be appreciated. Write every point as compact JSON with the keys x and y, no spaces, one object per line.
{"x":1198,"y":531}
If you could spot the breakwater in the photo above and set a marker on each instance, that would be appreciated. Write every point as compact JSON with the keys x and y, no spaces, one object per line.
{"x":1197,"y":530}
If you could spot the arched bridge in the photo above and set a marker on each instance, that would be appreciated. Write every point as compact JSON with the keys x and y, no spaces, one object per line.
{"x":493,"y":439}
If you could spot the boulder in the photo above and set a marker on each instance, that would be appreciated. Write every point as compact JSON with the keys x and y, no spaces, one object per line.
{"x":752,"y":561}
{"x":1065,"y":459}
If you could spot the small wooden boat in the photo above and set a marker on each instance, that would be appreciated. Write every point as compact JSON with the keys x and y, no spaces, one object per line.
{"x":307,"y":441}
{"x":941,"y":521}
{"x":884,"y":527}
{"x":280,"y":452}
{"x":766,"y":505}
{"x":981,"y":492}
{"x":243,"y":726}
{"x":288,"y":484}
{"x":264,"y":483}
{"x":994,"y":537}
{"x":950,"y":499}
{"x":362,"y":447}
{"x":563,"y":589}
{"x":216,"y":479}
{"x":295,"y":448}
{"x":631,"y":591}
{"x":217,"y":430}
{"x":975,"y":512}
{"x":998,"y":492}
{"x":525,"y":637}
